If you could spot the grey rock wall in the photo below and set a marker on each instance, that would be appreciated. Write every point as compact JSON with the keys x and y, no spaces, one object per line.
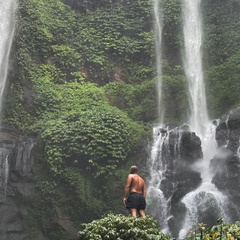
{"x":16,"y":183}
{"x":226,"y":164}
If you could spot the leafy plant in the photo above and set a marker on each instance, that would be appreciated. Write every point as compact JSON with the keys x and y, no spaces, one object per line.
{"x":116,"y":227}
{"x":222,"y":231}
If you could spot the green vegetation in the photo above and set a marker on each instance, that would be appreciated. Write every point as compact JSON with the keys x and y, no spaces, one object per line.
{"x":222,"y":231}
{"x":221,"y":36}
{"x":121,"y":227}
{"x":224,"y":87}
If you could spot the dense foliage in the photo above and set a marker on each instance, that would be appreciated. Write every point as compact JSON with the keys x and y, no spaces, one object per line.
{"x":121,"y":227}
{"x":221,"y":54}
{"x":224,"y":85}
{"x":222,"y":231}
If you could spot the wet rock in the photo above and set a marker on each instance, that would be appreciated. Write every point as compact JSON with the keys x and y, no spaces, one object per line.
{"x":226,"y":164}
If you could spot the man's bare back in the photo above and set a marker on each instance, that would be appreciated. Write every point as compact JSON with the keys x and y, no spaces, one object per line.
{"x":135,"y":184}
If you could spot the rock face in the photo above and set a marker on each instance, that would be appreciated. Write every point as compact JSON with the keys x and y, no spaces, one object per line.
{"x":182,"y":149}
{"x":17,"y":186}
{"x":226,"y":164}
{"x":186,"y":191}
{"x":16,"y":162}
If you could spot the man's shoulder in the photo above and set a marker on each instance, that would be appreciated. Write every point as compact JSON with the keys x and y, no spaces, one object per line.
{"x":133,"y":175}
{"x":130,"y":175}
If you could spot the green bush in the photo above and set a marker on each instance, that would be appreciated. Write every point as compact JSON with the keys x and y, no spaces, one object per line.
{"x":100,"y":139}
{"x":138,"y":101}
{"x":222,"y":231}
{"x":119,"y":227}
{"x":79,"y":127}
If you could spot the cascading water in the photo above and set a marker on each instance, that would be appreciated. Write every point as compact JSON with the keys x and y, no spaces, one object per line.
{"x":193,"y":65}
{"x":158,"y":41}
{"x":206,"y":196}
{"x":200,"y":201}
{"x":7,"y":10}
{"x":156,"y":198}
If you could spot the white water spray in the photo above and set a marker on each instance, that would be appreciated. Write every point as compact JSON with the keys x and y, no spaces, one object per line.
{"x":193,"y":65}
{"x":157,"y":203}
{"x":7,"y":9}
{"x":199,"y":202}
{"x":158,"y":43}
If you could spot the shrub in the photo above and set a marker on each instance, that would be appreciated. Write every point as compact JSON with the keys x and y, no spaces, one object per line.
{"x":119,"y":227}
{"x":222,"y":231}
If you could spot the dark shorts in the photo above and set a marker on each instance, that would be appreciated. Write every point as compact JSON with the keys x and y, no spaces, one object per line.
{"x":136,"y":200}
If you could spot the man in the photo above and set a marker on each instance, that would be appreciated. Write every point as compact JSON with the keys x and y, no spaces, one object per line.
{"x":135,"y":190}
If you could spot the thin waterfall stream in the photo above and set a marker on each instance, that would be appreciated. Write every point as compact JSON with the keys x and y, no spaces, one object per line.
{"x":156,"y":167}
{"x":158,"y":40}
{"x":201,"y":201}
{"x":7,"y":9}
{"x":7,"y":25}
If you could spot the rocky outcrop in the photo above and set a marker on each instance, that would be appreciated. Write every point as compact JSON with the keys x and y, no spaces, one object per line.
{"x":181,"y":149}
{"x":16,"y":183}
{"x":18,"y":188}
{"x":178,"y":150}
{"x":186,"y":186}
{"x":226,"y":164}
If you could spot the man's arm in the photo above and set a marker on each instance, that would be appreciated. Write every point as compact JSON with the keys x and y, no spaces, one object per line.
{"x":127,"y":187}
{"x":144,"y":190}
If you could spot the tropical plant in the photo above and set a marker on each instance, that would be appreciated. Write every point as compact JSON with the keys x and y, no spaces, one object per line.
{"x":222,"y":231}
{"x":116,"y":227}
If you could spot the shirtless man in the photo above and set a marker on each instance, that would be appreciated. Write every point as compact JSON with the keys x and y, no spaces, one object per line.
{"x":135,"y":189}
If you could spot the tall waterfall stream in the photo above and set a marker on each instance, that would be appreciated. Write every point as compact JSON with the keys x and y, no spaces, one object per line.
{"x":206,"y":197}
{"x":7,"y":10}
{"x":158,"y":41}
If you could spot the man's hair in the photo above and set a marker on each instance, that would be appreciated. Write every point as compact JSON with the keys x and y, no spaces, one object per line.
{"x":133,"y":169}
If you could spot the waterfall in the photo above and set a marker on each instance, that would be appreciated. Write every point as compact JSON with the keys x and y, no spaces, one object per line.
{"x":204,"y":200}
{"x":4,"y":170}
{"x":180,"y":203}
{"x":156,"y":198}
{"x":198,"y":121}
{"x":7,"y":9}
{"x":206,"y":197}
{"x":158,"y":40}
{"x":193,"y":65}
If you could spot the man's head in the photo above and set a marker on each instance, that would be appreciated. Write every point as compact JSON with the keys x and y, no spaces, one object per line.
{"x":133,"y":169}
